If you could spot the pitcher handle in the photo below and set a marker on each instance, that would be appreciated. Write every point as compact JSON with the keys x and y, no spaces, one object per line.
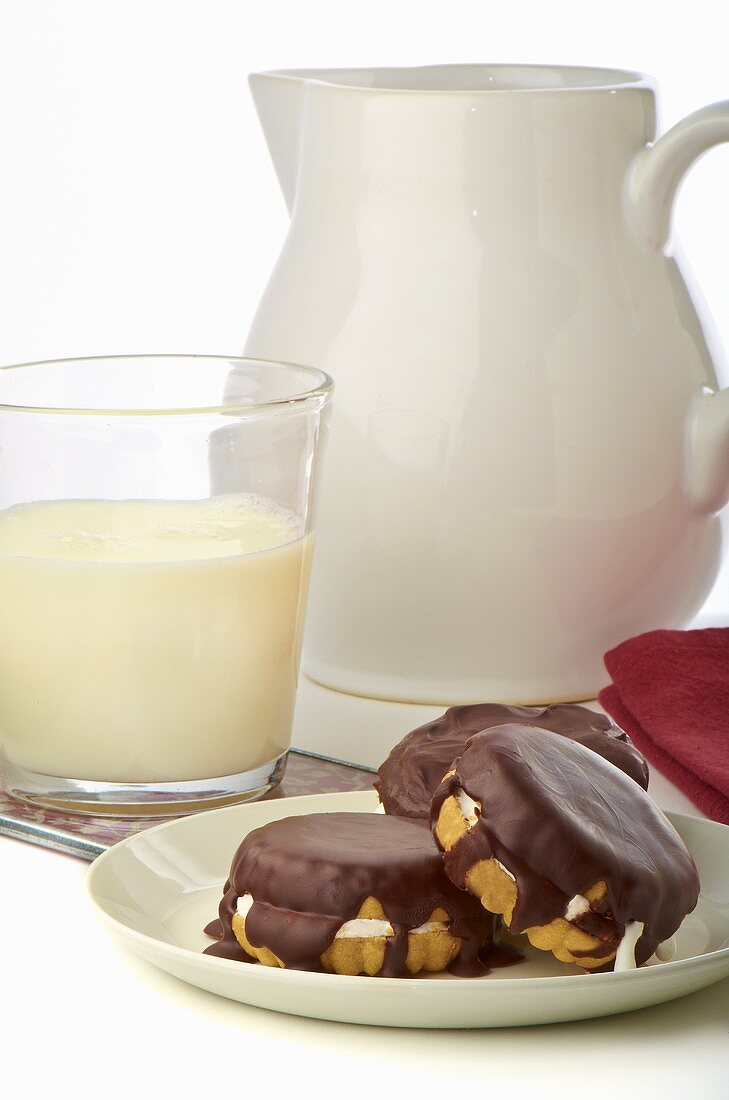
{"x":658,"y":170}
{"x":654,"y":178}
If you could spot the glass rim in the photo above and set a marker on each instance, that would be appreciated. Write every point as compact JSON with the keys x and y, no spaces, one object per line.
{"x":322,"y":390}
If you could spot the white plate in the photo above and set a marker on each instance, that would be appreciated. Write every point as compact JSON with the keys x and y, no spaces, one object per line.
{"x":156,"y":890}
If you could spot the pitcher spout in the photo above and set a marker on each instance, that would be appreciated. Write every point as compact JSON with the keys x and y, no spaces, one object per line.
{"x":278,"y":97}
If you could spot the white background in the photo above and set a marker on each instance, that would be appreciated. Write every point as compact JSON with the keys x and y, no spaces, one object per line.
{"x":139,"y":212}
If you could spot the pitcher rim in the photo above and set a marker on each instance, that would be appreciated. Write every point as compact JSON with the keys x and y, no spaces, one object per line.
{"x":595,"y":79}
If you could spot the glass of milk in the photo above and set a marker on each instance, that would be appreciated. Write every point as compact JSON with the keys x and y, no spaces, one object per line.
{"x":156,"y":530}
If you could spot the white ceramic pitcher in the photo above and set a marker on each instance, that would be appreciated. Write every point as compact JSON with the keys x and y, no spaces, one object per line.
{"x":528,"y":450}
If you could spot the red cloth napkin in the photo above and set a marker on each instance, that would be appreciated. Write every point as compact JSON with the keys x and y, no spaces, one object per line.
{"x":670,"y":692}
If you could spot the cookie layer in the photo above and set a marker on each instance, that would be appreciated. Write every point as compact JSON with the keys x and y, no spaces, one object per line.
{"x":360,"y":945}
{"x":563,"y":845}
{"x":408,"y":778}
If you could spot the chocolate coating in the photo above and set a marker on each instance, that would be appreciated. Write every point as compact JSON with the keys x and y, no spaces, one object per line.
{"x":416,"y":765}
{"x":310,"y":874}
{"x":560,"y":818}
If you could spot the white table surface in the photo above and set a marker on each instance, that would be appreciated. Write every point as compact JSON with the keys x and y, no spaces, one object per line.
{"x":83,"y":1008}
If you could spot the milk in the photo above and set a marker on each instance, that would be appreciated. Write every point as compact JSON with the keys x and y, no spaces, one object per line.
{"x":145,"y":641}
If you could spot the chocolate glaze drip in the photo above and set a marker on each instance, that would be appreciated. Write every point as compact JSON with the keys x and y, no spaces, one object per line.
{"x":497,"y":955}
{"x":560,"y":818}
{"x":310,"y":874}
{"x":227,"y":946}
{"x":415,"y":767}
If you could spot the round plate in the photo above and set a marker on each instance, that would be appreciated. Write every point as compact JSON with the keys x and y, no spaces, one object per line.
{"x":157,"y":890}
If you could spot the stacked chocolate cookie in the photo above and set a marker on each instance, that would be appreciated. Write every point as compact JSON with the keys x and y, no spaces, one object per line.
{"x":540,"y":823}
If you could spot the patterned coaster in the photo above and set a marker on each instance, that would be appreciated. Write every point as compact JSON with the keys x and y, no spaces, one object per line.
{"x":86,"y":836}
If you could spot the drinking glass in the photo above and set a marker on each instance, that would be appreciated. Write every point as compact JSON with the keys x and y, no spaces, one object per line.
{"x":156,"y":528}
